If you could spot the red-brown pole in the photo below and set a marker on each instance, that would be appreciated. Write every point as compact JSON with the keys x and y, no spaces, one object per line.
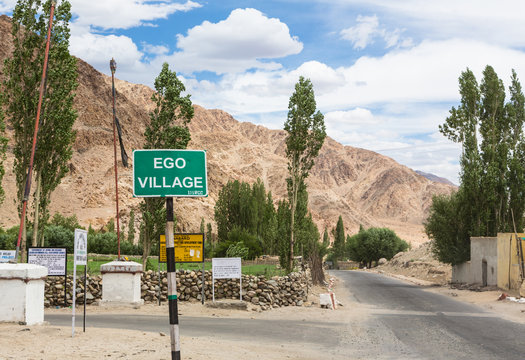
{"x":27,"y":189}
{"x":113,"y":67}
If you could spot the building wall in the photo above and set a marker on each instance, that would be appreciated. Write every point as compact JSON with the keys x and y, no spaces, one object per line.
{"x":461,"y":273}
{"x":484,"y":249}
{"x":471,"y":272}
{"x":508,"y":265}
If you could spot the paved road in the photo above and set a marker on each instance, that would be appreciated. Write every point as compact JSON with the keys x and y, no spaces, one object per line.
{"x":383,"y":319}
{"x":322,"y":333}
{"x":408,"y":322}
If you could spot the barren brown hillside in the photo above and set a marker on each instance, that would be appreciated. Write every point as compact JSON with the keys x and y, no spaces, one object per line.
{"x":362,"y":186}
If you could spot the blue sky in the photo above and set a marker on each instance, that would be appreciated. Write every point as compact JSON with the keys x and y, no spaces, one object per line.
{"x":384,"y":72}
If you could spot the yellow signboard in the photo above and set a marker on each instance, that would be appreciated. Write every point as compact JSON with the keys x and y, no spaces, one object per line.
{"x":162,"y":249}
{"x":188,"y":248}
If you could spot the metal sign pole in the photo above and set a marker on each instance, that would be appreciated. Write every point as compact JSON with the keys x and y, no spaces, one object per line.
{"x":74,"y":298}
{"x":85,"y":289}
{"x":203,"y":278}
{"x":160,"y":281}
{"x":172,"y":282}
{"x":65,"y":283}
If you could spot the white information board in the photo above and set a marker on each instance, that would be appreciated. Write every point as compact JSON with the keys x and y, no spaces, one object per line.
{"x":226,"y":268}
{"x":6,"y":255}
{"x":54,"y":259}
{"x":80,"y":247}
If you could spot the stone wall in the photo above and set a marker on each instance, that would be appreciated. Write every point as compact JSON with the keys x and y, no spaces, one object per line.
{"x":267,"y":293}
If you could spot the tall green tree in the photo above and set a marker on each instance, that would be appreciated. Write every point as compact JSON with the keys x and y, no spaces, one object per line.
{"x":492,"y":182}
{"x":248,"y":208}
{"x":269,"y":227}
{"x":339,"y":239}
{"x":23,"y":71}
{"x":306,"y":133}
{"x":167,"y":129}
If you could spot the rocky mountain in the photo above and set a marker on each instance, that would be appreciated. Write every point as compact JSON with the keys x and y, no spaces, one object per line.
{"x":435,"y":178}
{"x":363,"y":186}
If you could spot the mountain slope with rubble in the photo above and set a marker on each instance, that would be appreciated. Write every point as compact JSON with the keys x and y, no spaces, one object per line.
{"x":366,"y":188}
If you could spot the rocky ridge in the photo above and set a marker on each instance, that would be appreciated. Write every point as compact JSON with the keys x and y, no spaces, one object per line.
{"x":364,"y":187}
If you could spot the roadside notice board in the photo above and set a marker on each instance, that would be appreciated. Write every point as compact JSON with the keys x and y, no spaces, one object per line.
{"x":226,"y":268}
{"x":162,"y":249}
{"x":6,"y":255}
{"x":169,"y":173}
{"x":54,"y":259}
{"x":189,"y":248}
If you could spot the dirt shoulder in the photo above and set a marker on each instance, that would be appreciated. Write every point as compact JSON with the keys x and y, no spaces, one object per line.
{"x":418,"y":266}
{"x":54,"y":342}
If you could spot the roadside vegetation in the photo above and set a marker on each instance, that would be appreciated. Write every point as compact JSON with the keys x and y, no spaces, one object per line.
{"x":492,"y":177}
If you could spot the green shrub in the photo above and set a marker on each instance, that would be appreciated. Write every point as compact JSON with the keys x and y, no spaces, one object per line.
{"x":59,"y":236}
{"x":237,"y":250}
{"x":373,"y":244}
{"x":248,"y":240}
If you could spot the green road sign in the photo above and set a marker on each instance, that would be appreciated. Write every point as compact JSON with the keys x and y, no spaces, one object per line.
{"x":169,"y":173}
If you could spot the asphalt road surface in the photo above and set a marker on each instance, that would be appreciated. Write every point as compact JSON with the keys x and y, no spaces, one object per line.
{"x":383,"y":319}
{"x":408,"y":322}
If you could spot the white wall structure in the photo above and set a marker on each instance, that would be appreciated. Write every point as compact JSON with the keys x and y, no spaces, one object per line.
{"x":121,"y":283}
{"x":483,"y":265}
{"x":22,"y":293}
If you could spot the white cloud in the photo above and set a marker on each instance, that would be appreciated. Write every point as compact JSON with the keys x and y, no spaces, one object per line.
{"x":363,"y":33}
{"x":378,"y":103}
{"x":155,"y":49}
{"x":484,"y":20}
{"x":97,"y":50}
{"x":368,"y":29}
{"x":235,"y":44}
{"x":7,"y":5}
{"x":125,"y":14}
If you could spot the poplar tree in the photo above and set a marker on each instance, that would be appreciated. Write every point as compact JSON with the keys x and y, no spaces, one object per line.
{"x":339,"y":239}
{"x":306,"y":133}
{"x":23,"y":70}
{"x":492,"y":183}
{"x":167,"y":129}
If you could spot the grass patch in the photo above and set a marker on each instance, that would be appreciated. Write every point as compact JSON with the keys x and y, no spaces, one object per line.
{"x":94,"y":263}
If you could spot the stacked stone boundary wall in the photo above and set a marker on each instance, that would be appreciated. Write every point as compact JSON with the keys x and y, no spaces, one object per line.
{"x":278,"y":291}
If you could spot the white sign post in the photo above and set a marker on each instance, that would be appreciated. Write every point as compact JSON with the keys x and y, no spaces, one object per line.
{"x":79,"y":258}
{"x":226,"y":268}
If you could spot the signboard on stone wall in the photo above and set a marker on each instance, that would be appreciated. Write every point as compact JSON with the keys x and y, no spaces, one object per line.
{"x":54,"y":259}
{"x":226,"y":268}
{"x":6,"y":255}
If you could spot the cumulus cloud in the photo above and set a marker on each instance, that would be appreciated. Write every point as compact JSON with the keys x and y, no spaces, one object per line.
{"x":97,"y":50}
{"x":125,"y":14}
{"x":235,"y":44}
